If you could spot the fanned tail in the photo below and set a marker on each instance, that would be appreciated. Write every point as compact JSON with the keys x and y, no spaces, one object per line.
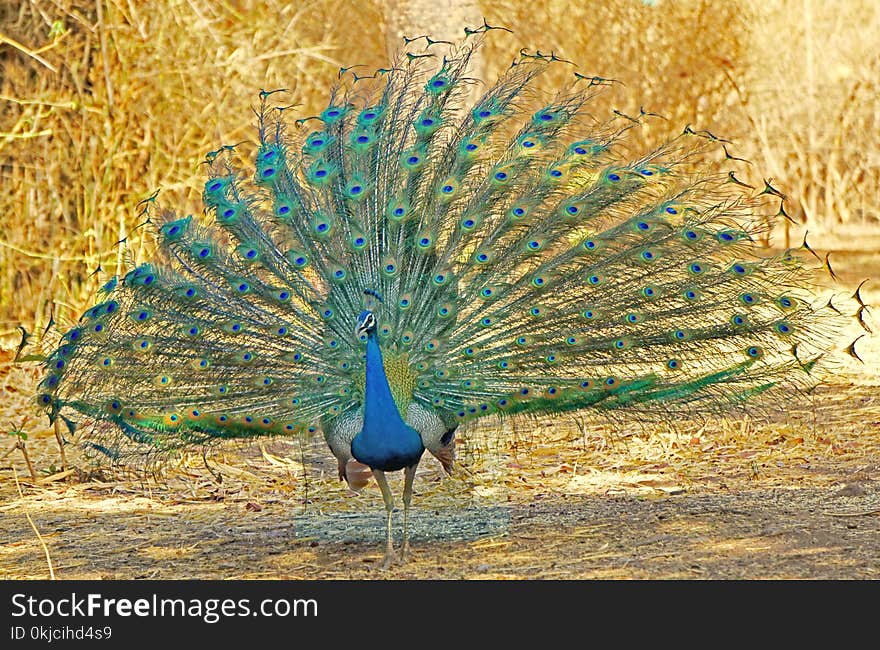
{"x":525,"y":265}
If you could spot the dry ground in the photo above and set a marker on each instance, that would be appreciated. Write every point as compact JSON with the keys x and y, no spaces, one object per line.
{"x":798,"y":497}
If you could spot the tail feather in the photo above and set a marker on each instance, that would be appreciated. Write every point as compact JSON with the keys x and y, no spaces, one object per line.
{"x":524,"y":263}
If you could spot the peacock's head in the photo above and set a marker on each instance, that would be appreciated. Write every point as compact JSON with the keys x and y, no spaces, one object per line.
{"x":366,"y":323}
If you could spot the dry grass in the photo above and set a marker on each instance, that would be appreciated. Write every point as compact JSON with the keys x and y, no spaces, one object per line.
{"x":128,"y":99}
{"x":794,"y":83}
{"x":812,"y":100}
{"x":103,"y":103}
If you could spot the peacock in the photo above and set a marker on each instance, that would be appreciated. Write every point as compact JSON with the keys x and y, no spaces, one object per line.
{"x":420,"y":256}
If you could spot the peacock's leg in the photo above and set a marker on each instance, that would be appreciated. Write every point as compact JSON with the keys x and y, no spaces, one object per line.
{"x":389,"y":507}
{"x":409,"y":475}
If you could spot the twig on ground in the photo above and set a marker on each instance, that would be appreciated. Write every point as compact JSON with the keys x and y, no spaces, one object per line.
{"x":34,"y":526}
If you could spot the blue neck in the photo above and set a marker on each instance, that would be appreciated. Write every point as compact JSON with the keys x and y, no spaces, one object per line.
{"x":386,"y":442}
{"x":378,"y":401}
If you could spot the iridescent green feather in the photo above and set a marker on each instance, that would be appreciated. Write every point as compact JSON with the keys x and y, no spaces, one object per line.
{"x":518,"y":260}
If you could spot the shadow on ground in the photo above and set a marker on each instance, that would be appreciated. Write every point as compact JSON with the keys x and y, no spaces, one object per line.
{"x":819,"y":533}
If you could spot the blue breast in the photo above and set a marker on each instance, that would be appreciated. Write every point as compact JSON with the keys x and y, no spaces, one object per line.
{"x":386,"y":442}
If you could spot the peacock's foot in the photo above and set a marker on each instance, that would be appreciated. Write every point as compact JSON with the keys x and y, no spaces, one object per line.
{"x":393,"y":558}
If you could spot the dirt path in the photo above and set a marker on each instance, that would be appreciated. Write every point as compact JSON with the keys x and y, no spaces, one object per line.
{"x":767,"y":502}
{"x":765,"y":533}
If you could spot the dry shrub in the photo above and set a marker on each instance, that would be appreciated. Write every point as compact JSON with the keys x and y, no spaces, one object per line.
{"x":671,"y":59}
{"x":127,"y":99}
{"x":812,"y":97}
{"x":794,"y":83}
{"x":105,"y":102}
